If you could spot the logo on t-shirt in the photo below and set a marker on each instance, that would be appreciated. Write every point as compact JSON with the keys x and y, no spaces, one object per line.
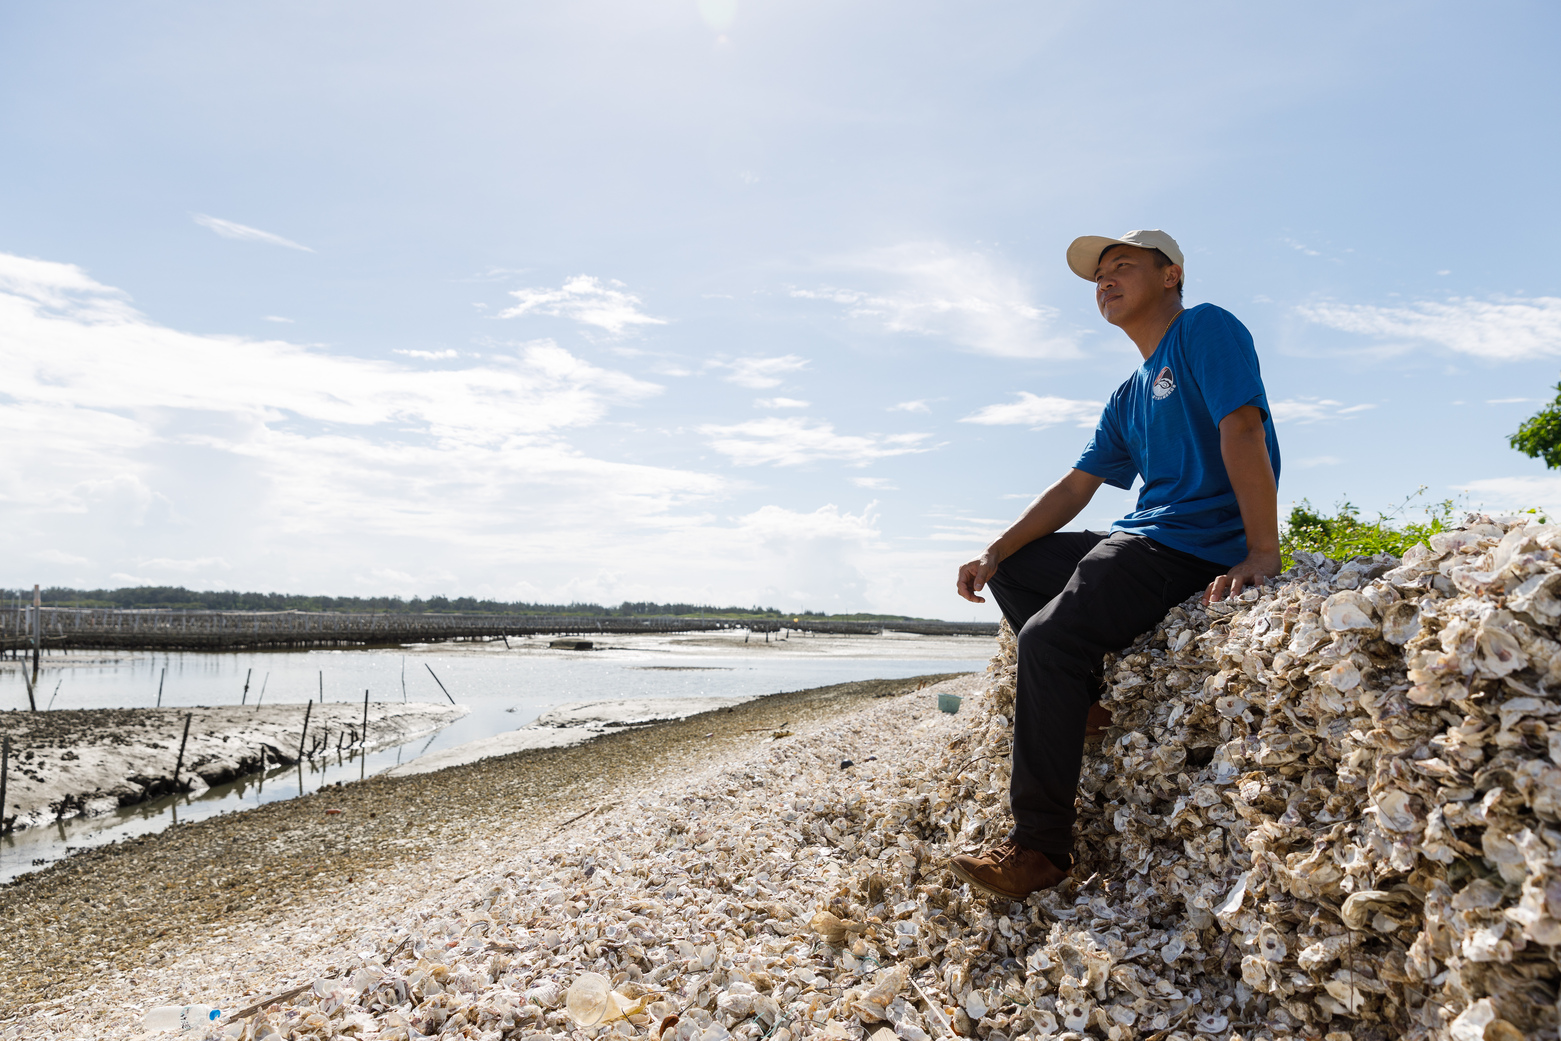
{"x":1164,"y":384}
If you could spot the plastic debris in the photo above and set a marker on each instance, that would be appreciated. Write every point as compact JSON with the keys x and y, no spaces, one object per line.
{"x":181,"y":1018}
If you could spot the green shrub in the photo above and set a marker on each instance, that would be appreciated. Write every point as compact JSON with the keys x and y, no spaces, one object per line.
{"x":1346,"y":534}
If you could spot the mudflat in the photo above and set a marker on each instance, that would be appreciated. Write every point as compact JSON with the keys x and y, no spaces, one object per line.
{"x":71,"y":761}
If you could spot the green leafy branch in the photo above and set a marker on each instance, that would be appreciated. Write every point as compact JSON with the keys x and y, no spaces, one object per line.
{"x":1347,"y":534}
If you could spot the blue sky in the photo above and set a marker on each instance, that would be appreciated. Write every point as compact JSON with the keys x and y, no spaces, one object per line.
{"x":727,"y":300}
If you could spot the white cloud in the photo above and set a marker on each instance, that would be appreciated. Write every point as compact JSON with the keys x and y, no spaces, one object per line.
{"x":779,"y":523}
{"x":586,"y":300}
{"x":229,"y":230}
{"x":1312,"y":410}
{"x":429,"y":355}
{"x":277,"y":318}
{"x":1038,"y":412}
{"x":185,"y":567}
{"x":1516,"y":493}
{"x":1511,"y":401}
{"x":909,"y":406}
{"x":758,"y":373}
{"x":779,"y":403}
{"x":976,"y":531}
{"x":961,"y":296}
{"x":793,"y":441}
{"x":57,"y":556}
{"x":877,"y":483}
{"x":341,"y":448}
{"x":1500,"y":329}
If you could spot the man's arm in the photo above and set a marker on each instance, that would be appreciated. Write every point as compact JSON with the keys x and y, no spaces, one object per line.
{"x":1245,"y":451}
{"x":1055,"y":507}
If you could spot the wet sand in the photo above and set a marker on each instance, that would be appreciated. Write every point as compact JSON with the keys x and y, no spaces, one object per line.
{"x":567,"y":725}
{"x":118,"y":926}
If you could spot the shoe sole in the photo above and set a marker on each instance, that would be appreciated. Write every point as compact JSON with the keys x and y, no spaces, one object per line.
{"x":984,"y":887}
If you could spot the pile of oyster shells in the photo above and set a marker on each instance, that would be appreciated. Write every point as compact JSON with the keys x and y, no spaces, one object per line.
{"x":1329,"y":809}
{"x":1332,"y":806}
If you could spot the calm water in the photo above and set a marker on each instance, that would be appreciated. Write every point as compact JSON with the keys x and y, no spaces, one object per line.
{"x":504,"y":688}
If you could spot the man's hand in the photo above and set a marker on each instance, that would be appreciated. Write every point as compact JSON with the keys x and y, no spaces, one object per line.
{"x":974,"y":576}
{"x":1259,"y":566}
{"x":1244,"y":447}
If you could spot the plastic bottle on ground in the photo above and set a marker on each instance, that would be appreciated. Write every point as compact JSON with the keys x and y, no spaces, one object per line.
{"x":180,"y":1017}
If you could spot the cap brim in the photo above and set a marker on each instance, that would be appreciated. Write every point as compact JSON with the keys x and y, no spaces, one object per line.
{"x":1084,"y":254}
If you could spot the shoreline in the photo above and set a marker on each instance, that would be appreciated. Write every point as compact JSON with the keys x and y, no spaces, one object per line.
{"x":238,"y":905}
{"x":568,"y":726}
{"x":68,"y":763}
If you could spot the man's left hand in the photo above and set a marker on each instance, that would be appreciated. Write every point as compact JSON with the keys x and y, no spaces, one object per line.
{"x":1259,"y":566}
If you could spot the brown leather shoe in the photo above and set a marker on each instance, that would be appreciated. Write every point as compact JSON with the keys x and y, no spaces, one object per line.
{"x":1008,"y":870}
{"x":1097,"y":721}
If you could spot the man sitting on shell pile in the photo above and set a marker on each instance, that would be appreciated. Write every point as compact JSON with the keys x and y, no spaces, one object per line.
{"x":1194,"y":422}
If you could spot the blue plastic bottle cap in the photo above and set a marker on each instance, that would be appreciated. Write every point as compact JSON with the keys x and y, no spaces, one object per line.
{"x":216,"y":1014}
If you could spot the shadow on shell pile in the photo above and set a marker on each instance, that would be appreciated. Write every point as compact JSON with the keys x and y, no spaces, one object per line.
{"x":1328,"y":810}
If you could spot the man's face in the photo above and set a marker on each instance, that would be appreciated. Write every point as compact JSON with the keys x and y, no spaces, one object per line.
{"x":1127,"y":283}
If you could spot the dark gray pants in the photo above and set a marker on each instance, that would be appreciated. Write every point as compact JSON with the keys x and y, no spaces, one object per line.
{"x":1074,"y":596}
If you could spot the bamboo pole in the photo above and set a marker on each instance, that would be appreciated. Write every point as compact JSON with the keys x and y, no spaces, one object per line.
{"x":37,"y":642}
{"x":5,"y":768}
{"x":160,"y":686}
{"x":307,"y":706}
{"x":244,"y":699}
{"x":435,"y":675}
{"x":365,"y":721}
{"x":180,"y":764}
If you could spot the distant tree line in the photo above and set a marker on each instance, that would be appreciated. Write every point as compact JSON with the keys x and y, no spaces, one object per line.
{"x":224,"y":600}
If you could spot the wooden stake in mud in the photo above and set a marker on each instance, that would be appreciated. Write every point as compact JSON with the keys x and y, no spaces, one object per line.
{"x":37,"y":641}
{"x":262,"y":695}
{"x":180,"y":764}
{"x":244,"y":700}
{"x":160,"y":686}
{"x":322,"y":686}
{"x":365,"y":722}
{"x":307,"y":706}
{"x":435,"y":675}
{"x":5,"y":767}
{"x":403,"y":678}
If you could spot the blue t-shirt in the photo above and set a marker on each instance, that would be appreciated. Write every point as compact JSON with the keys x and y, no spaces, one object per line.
{"x":1163,"y":424}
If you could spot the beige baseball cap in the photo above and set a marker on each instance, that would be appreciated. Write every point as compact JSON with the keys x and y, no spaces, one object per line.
{"x":1084,"y":254}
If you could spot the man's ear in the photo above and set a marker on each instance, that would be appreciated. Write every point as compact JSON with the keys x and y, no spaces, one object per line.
{"x":1173,"y":275}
